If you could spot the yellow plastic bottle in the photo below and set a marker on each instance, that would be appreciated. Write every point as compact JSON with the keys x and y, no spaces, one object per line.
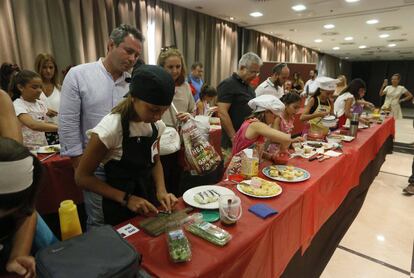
{"x":69,"y":220}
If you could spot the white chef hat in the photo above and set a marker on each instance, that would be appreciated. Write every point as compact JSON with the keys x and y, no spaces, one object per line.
{"x":324,"y":83}
{"x":16,"y":175}
{"x":267,"y":102}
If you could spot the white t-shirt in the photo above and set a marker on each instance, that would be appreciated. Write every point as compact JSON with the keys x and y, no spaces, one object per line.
{"x":109,"y":131}
{"x":267,"y":87}
{"x":339,"y":105}
{"x":37,"y":110}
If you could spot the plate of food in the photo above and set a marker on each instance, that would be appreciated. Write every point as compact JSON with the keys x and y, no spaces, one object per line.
{"x":286,"y":173}
{"x":49,"y":149}
{"x":259,"y":188}
{"x":205,"y":196}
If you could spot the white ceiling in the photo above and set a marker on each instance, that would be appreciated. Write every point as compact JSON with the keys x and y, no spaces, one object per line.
{"x":304,"y":27}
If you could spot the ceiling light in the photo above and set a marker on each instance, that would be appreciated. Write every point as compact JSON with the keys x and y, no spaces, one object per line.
{"x":231,"y":18}
{"x":362,"y":46}
{"x":299,"y":8}
{"x":346,"y":57}
{"x":380,"y":238}
{"x":256,"y":14}
{"x":392,"y":45}
{"x":351,"y":1}
{"x":372,"y":21}
{"x":383,"y":36}
{"x":318,"y":40}
{"x":329,"y":26}
{"x":336,"y":48}
{"x":348,"y":38}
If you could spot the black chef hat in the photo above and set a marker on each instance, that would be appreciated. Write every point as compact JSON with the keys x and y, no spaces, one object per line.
{"x":152,"y":84}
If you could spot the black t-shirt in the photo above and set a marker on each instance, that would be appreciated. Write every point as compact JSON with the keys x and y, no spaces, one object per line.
{"x":235,"y":91}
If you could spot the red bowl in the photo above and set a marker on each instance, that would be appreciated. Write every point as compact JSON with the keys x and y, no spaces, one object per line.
{"x":281,"y":158}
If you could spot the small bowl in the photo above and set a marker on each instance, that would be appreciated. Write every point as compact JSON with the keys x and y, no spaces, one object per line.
{"x":281,"y":158}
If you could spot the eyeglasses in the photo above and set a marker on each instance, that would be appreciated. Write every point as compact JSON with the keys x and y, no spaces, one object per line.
{"x":256,"y":72}
{"x":165,"y":48}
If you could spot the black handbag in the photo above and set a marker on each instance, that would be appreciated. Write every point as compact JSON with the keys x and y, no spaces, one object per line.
{"x":100,"y":252}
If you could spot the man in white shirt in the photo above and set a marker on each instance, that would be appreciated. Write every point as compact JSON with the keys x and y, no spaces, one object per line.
{"x":89,"y":92}
{"x":274,"y":84}
{"x":307,"y":91}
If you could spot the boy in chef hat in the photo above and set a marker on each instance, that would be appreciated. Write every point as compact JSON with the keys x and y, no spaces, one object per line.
{"x":257,"y":127}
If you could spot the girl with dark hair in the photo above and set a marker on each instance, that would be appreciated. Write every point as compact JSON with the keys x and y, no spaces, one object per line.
{"x":30,"y":110}
{"x":207,"y":95}
{"x":284,"y":122}
{"x":20,"y":173}
{"x":126,"y":142}
{"x":319,"y":105}
{"x":7,"y":71}
{"x":350,"y":100}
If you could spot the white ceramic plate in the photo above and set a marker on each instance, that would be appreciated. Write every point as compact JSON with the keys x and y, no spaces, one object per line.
{"x":260,"y":197}
{"x":188,"y":196}
{"x":304,"y":177}
{"x":49,"y":149}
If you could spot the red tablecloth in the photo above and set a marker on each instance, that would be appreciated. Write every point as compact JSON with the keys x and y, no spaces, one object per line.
{"x":58,"y":184}
{"x":263,"y":248}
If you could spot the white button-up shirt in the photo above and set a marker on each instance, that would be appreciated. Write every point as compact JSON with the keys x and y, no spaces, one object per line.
{"x":267,"y":87}
{"x":88,"y":94}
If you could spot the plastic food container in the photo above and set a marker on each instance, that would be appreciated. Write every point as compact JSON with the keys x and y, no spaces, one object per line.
{"x":209,"y":232}
{"x":178,"y":245}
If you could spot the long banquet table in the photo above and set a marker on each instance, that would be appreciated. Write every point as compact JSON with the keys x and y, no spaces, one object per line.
{"x":312,"y":215}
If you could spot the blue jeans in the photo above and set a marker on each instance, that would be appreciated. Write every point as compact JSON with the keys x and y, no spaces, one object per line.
{"x":93,"y":203}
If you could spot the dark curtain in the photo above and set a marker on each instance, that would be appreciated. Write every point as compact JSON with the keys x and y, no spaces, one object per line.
{"x":374,"y":73}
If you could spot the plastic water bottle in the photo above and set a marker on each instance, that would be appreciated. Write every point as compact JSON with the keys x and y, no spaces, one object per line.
{"x":69,"y":220}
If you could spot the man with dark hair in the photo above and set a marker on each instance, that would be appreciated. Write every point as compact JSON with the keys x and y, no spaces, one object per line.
{"x":307,"y":92}
{"x":89,"y":92}
{"x":195,"y":79}
{"x":274,"y":84}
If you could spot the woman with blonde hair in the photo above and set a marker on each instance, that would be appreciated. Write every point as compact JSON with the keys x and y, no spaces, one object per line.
{"x":46,"y":67}
{"x":182,"y":106}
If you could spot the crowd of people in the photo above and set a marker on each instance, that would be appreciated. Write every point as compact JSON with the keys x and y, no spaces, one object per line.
{"x":109,"y":122}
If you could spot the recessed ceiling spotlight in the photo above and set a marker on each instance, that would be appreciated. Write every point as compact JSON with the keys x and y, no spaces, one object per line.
{"x":383,"y":36}
{"x":256,"y":14}
{"x":231,"y":18}
{"x":318,"y":40}
{"x":351,"y":1}
{"x":362,"y":46}
{"x":372,"y":21}
{"x":348,"y":38}
{"x":346,"y":57}
{"x":392,"y":45}
{"x":299,"y":8}
{"x":336,"y":48}
{"x":329,"y":26}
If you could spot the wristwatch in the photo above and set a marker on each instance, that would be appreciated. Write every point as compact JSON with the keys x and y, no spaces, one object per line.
{"x":126,"y":199}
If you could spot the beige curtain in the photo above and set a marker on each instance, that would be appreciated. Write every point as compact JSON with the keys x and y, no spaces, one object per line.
{"x":73,"y":31}
{"x":270,"y":48}
{"x":199,"y":37}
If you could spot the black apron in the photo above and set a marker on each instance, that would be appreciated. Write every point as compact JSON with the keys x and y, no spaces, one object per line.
{"x":132,"y":174}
